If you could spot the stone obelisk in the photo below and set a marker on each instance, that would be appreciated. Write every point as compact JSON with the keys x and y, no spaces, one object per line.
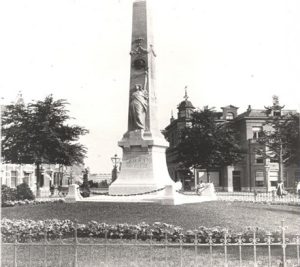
{"x":144,"y":166}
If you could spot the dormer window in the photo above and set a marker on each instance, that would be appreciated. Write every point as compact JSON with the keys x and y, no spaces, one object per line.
{"x":276,"y":113}
{"x":229,"y":116}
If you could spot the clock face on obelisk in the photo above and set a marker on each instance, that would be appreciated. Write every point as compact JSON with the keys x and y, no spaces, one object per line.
{"x":139,"y":64}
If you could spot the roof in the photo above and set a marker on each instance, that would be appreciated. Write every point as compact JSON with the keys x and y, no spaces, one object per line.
{"x":230,"y":107}
{"x":260,"y":113}
{"x":185,"y":104}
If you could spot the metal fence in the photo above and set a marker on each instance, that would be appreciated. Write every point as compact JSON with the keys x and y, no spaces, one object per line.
{"x":259,"y":197}
{"x":255,"y":251}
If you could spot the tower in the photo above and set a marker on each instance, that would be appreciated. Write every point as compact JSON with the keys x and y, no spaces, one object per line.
{"x":144,"y":166}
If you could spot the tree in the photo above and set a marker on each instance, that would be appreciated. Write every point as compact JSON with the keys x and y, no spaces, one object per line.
{"x":280,"y":140}
{"x":38,"y":133}
{"x":208,"y":143}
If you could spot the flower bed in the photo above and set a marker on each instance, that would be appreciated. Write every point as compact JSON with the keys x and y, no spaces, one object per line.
{"x":26,"y":230}
{"x":33,"y":202}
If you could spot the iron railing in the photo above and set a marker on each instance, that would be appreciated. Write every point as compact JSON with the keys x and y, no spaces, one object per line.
{"x":256,"y":251}
{"x":259,"y":197}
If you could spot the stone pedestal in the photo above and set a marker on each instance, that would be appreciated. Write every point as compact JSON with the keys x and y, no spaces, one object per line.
{"x":144,"y":167}
{"x":74,"y":194}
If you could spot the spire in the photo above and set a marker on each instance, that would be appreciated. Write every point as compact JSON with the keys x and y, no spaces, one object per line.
{"x":186,"y":97}
{"x":172,"y":116}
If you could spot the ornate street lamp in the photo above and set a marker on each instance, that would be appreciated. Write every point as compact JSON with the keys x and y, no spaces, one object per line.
{"x":116,"y":161}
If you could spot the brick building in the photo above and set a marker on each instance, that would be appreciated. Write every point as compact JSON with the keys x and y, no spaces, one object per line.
{"x":253,"y":173}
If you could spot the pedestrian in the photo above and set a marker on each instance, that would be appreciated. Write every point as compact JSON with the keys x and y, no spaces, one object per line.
{"x":298,"y":189}
{"x":200,"y":187}
{"x":279,"y":188}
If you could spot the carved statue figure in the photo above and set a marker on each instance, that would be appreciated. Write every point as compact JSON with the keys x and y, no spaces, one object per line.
{"x":138,"y":107}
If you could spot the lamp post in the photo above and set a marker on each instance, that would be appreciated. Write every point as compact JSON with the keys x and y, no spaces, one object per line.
{"x":116,"y":161}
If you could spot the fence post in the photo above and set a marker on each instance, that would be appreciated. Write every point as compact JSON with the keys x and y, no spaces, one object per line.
{"x":45,"y":244}
{"x":105,"y":245}
{"x":269,"y":248}
{"x":225,"y":248}
{"x":283,"y":244}
{"x":180,"y":242}
{"x":254,"y":248}
{"x":60,"y":243}
{"x":196,"y":246}
{"x":15,"y":250}
{"x":210,"y":241}
{"x":240,"y":248}
{"x":75,"y":243}
{"x":166,"y":248}
{"x":151,"y":248}
{"x":297,"y":247}
{"x":30,"y":242}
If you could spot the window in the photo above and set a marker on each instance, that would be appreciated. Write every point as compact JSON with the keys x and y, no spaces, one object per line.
{"x":259,"y":159}
{"x":277,"y":113}
{"x":26,"y":177}
{"x":273,"y":160}
{"x":257,"y":132}
{"x":56,"y":178}
{"x":297,"y":176}
{"x":259,"y":178}
{"x":14,"y":177}
{"x":229,"y":116}
{"x":273,"y":178}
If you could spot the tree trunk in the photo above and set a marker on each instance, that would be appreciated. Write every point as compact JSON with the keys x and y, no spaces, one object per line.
{"x":38,"y":180}
{"x":280,"y":164}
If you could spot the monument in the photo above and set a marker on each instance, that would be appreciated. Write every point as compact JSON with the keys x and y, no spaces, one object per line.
{"x":144,"y":176}
{"x":144,"y":168}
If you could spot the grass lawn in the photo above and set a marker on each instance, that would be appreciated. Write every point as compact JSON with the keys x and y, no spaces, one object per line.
{"x":232,"y":215}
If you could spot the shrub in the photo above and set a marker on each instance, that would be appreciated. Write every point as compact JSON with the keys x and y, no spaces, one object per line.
{"x":8,"y":194}
{"x":24,"y":192}
{"x":85,"y":187}
{"x":157,"y":231}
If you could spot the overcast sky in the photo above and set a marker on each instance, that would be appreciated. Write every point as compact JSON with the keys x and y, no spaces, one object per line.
{"x":227,"y":52}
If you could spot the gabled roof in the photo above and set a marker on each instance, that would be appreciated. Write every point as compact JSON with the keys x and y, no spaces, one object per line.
{"x":230,"y":107}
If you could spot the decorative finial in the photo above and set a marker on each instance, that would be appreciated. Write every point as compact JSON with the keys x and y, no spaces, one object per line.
{"x":20,"y":100}
{"x":185,"y":95}
{"x":275,"y":100}
{"x":172,"y":116}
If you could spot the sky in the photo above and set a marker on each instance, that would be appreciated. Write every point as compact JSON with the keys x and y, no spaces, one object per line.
{"x":226,"y":52}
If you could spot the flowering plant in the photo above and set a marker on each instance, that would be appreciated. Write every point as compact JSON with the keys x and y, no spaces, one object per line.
{"x":30,"y":230}
{"x":11,"y":203}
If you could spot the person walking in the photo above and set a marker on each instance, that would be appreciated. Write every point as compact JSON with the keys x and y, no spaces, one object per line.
{"x":279,"y":188}
{"x":298,"y":189}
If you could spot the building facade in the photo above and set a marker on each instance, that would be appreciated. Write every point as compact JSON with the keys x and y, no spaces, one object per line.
{"x":51,"y":176}
{"x":253,"y":173}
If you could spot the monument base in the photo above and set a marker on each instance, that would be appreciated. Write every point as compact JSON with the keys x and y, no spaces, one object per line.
{"x":144,"y":169}
{"x":167,"y":196}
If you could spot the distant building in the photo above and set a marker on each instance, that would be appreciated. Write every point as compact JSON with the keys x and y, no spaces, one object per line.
{"x":100,"y":177}
{"x":51,"y":175}
{"x":253,"y":173}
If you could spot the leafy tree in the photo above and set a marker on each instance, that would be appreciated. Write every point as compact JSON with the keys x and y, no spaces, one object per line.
{"x":280,"y":140}
{"x":38,"y":133}
{"x":209,"y":143}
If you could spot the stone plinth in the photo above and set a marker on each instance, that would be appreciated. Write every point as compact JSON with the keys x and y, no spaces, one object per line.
{"x":144,"y":167}
{"x":73,"y":194}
